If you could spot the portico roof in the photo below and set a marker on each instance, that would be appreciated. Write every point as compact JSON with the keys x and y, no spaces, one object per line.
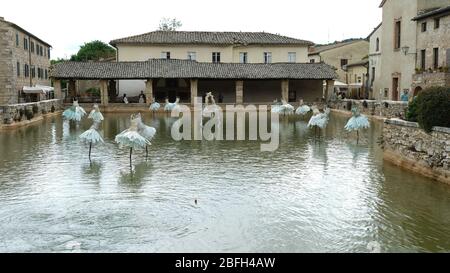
{"x":171,"y":69}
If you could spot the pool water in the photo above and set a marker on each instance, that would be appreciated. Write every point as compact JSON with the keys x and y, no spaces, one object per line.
{"x":311,"y":195}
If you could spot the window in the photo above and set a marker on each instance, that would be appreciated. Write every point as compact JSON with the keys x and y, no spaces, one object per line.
{"x":424,"y":26}
{"x":48,"y":53}
{"x":26,"y":71}
{"x":398,"y":35}
{"x":165,"y":55}
{"x":437,"y":23}
{"x":33,"y":72}
{"x":41,"y":50}
{"x":192,"y":56}
{"x":292,"y":57}
{"x":312,"y":61}
{"x":377,"y":45}
{"x":373,"y":75}
{"x":46,"y":74}
{"x":243,"y":57}
{"x":18,"y":69}
{"x":435,"y":58}
{"x":344,"y":62}
{"x":25,"y":43}
{"x":32,"y":47}
{"x":422,"y":58}
{"x":267,"y":57}
{"x":216,"y":57}
{"x":17,"y":39}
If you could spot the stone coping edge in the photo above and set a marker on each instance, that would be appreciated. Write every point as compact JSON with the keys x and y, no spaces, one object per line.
{"x":399,"y":122}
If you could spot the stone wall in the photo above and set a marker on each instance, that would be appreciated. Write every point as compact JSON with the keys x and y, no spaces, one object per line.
{"x":17,"y":113}
{"x":426,"y":80}
{"x":12,"y":55}
{"x":386,"y":109}
{"x":406,"y":145}
{"x":6,"y":65}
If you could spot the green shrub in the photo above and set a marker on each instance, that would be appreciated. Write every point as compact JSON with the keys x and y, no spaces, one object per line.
{"x":29,"y":114}
{"x":21,"y":113}
{"x":433,"y":108}
{"x":94,"y":92}
{"x":35,"y":109}
{"x":411,"y":114}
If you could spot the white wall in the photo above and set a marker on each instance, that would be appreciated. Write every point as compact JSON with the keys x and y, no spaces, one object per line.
{"x":228,"y":54}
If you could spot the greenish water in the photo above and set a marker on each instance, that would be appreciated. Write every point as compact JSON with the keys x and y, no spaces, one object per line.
{"x":309,"y":196}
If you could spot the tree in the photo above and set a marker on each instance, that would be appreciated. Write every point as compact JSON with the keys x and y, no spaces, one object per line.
{"x":167,"y":24}
{"x":57,"y":61}
{"x":94,"y":51}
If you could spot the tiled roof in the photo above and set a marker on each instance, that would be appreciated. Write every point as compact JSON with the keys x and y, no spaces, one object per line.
{"x":160,"y":68}
{"x":359,"y":63}
{"x":435,"y":12}
{"x":210,"y":38}
{"x":319,"y":49}
{"x":26,"y":32}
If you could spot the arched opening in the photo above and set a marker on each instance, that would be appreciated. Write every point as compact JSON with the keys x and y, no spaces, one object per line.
{"x":417,"y":91}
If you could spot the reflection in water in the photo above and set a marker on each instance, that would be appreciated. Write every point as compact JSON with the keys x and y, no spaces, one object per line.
{"x":93,"y":170}
{"x":308,"y":196}
{"x":134,"y":178}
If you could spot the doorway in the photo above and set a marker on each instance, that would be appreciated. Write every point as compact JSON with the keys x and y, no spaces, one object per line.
{"x":395,"y":89}
{"x":292,"y":96}
{"x":417,"y":91}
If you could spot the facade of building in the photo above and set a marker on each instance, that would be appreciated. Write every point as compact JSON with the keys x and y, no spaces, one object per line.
{"x":230,"y":83}
{"x":374,"y":84}
{"x":357,"y":75}
{"x":340,"y":55}
{"x":205,"y":47}
{"x":399,"y":45}
{"x":433,"y":45}
{"x":24,"y":61}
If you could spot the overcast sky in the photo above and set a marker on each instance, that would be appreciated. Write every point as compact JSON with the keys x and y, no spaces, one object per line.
{"x":66,"y":24}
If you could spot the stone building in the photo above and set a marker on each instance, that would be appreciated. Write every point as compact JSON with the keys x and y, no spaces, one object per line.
{"x":236,"y":83}
{"x":24,"y":61}
{"x":375,"y":63}
{"x":398,"y":45}
{"x":206,"y":47}
{"x":433,"y":45}
{"x":357,"y":75}
{"x":339,"y":55}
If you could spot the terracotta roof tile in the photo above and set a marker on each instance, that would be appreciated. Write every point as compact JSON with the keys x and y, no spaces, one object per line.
{"x":160,"y":68}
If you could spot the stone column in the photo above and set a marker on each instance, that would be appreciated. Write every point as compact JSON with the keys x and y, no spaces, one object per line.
{"x":194,"y":90}
{"x":104,"y":92}
{"x":149,"y":91}
{"x":239,"y":92}
{"x":72,"y":89}
{"x":285,"y":90}
{"x":329,"y":89}
{"x":58,"y":91}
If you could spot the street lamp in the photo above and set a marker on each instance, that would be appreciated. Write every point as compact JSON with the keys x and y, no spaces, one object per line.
{"x":405,"y":50}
